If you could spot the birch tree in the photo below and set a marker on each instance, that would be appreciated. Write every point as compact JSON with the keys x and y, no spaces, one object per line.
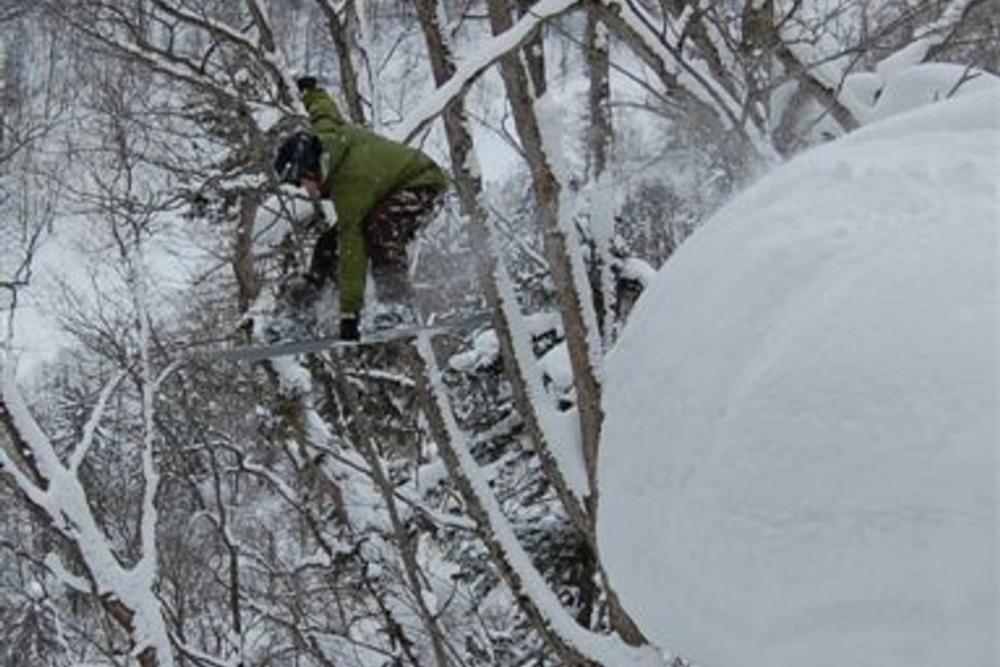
{"x":124,"y":584}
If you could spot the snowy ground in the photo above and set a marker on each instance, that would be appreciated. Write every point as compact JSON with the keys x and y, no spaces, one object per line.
{"x":800,"y":459}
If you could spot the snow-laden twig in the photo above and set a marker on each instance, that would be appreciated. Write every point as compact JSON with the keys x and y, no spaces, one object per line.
{"x":566,"y":451}
{"x":173,"y":67}
{"x":64,"y":576}
{"x":140,"y":290}
{"x":26,"y":431}
{"x":62,"y":499}
{"x":204,"y":659}
{"x":348,"y":483}
{"x":825,"y":86}
{"x":205,"y":22}
{"x":272,"y":56}
{"x":362,"y":432}
{"x":692,"y":77}
{"x":627,"y":19}
{"x":265,"y":34}
{"x":925,"y":39}
{"x":602,"y":216}
{"x":265,"y":49}
{"x":467,"y":72}
{"x":90,"y":428}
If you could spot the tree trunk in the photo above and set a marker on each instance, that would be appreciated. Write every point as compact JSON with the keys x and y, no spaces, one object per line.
{"x":578,"y":340}
{"x":599,"y":129}
{"x":599,"y":134}
{"x":547,"y":190}
{"x":534,"y":53}
{"x":470,"y":190}
{"x":343,"y":44}
{"x":247,"y":285}
{"x":469,"y":184}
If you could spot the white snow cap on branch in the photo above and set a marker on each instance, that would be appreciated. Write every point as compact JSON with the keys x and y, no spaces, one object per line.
{"x":927,"y":37}
{"x":470,"y":68}
{"x":64,"y":501}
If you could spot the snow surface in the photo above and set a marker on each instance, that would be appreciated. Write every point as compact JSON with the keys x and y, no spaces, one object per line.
{"x":929,"y":82}
{"x":800,"y":457}
{"x":875,"y":96}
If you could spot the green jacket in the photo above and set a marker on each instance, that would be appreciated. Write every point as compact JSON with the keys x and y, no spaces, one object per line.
{"x":362,"y":169}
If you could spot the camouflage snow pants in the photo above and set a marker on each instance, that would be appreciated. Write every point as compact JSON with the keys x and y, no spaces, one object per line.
{"x":392,"y":224}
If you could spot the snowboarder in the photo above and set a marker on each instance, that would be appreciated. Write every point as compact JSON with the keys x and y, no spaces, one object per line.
{"x":383,"y":192}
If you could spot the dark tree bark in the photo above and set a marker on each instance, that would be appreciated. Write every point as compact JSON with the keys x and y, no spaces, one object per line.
{"x":344,"y":45}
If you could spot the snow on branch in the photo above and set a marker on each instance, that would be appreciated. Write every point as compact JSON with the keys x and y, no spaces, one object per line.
{"x":697,"y":85}
{"x":926,"y":39}
{"x":126,"y":593}
{"x":550,"y":126}
{"x":115,"y":31}
{"x":265,"y":49}
{"x":90,"y":428}
{"x":18,"y":419}
{"x":172,"y":66}
{"x":150,"y":385}
{"x":825,"y":89}
{"x":205,"y":22}
{"x":467,"y":72}
{"x":688,"y":75}
{"x":260,"y":18}
{"x":346,"y":483}
{"x":64,"y":576}
{"x":563,"y":446}
{"x":59,"y":496}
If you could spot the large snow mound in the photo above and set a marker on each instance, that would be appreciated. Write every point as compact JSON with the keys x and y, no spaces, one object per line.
{"x":800,"y":457}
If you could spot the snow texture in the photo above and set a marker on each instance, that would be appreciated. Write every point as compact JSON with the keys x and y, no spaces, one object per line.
{"x":556,"y":367}
{"x":800,"y":456}
{"x":565,"y":444}
{"x":638,"y":270}
{"x":916,"y":86}
{"x":485,"y":351}
{"x":927,"y":36}
{"x":875,"y":96}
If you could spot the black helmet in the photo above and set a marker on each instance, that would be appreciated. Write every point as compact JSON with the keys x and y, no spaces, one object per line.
{"x":300,"y":153}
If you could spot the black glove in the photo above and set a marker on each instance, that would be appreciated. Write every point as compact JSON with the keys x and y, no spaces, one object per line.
{"x":349,"y":328}
{"x":306,"y":83}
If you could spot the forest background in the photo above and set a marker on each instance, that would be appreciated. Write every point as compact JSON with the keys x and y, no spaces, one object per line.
{"x":424,"y":504}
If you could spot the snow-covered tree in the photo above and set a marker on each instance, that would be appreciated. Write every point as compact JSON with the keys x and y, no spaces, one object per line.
{"x":429,"y":502}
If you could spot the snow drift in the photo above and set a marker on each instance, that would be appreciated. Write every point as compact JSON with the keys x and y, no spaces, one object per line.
{"x":800,"y":458}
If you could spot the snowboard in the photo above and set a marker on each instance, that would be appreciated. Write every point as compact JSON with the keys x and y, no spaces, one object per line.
{"x":284,"y":348}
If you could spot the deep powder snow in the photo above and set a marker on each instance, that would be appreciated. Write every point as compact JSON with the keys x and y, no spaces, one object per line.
{"x":800,"y":458}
